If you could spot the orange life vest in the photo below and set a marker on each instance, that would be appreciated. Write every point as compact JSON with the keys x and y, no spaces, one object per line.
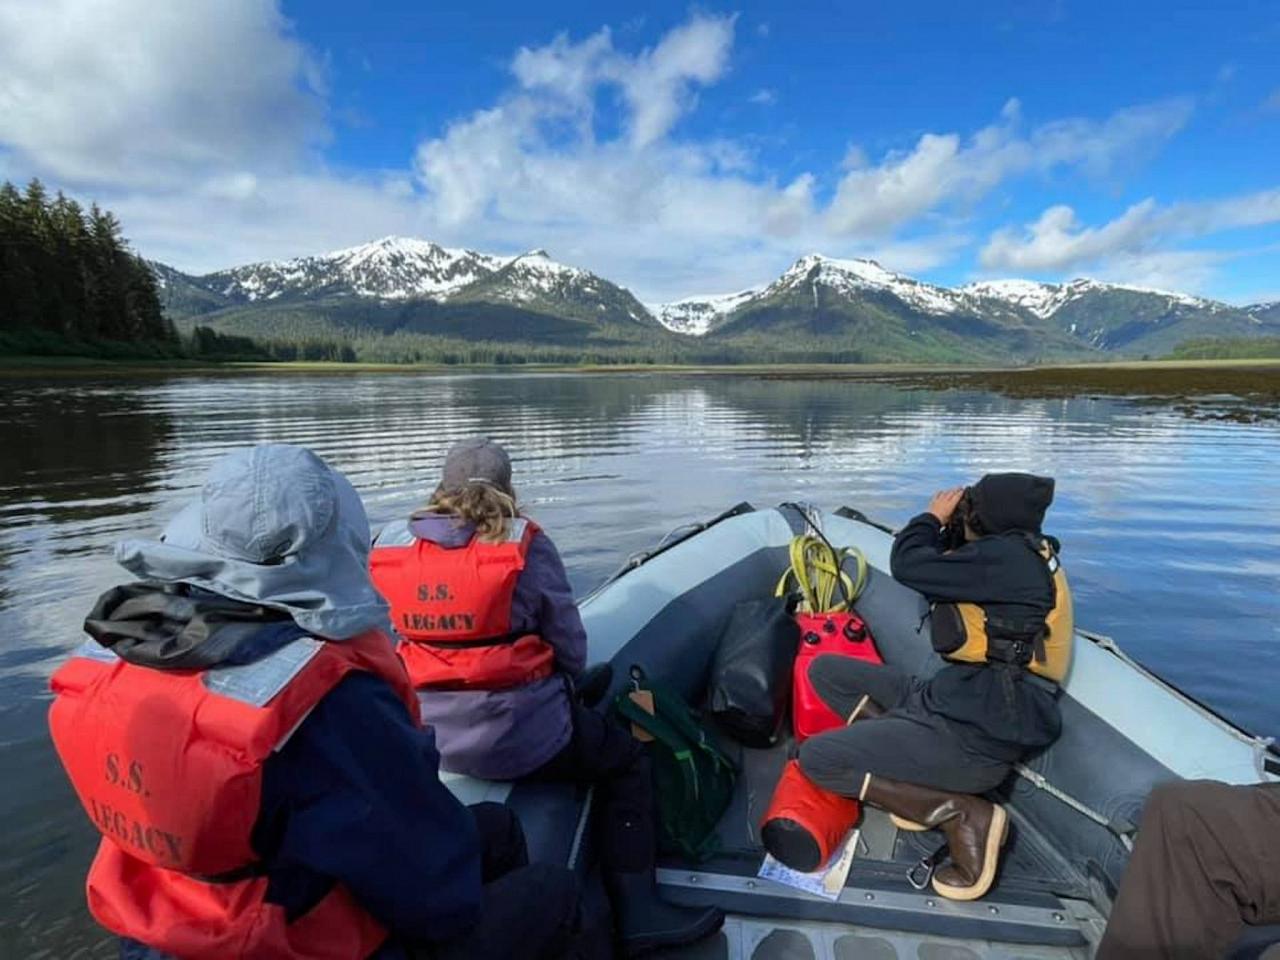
{"x":969,"y":633}
{"x":452,"y":606}
{"x":168,"y":765}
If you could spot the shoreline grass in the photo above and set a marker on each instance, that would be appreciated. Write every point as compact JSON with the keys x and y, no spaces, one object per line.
{"x":96,"y":366}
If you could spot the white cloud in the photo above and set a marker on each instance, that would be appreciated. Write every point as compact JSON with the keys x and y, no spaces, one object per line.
{"x":532,"y":167}
{"x":1139,"y":246}
{"x":199,"y":122}
{"x":1058,"y":241}
{"x":945,"y":167}
{"x":658,"y":84}
{"x":764,"y":97}
{"x":1186,"y":271}
{"x":224,"y":222}
{"x":144,"y":93}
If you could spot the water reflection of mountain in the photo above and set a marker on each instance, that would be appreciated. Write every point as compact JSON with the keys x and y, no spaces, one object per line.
{"x":797,"y":411}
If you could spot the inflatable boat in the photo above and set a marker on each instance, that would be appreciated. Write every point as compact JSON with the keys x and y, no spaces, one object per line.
{"x":1075,"y":807}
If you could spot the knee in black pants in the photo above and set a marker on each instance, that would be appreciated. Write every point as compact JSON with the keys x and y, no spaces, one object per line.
{"x":628,"y":814}
{"x":530,"y":913}
{"x":502,"y":842}
{"x":554,"y":894}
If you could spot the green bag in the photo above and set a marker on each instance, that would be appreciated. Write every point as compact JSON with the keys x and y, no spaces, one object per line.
{"x":692,"y":778}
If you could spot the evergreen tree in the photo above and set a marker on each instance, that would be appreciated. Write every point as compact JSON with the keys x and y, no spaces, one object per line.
{"x":69,"y":283}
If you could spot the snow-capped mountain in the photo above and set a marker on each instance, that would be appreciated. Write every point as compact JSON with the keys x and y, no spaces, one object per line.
{"x":408,"y":270}
{"x":855,"y":277}
{"x":393,"y":268}
{"x":697,"y":316}
{"x":1116,"y":316}
{"x":857,"y":308}
{"x":1265,"y":312}
{"x":848,"y":279}
{"x":1040,"y":299}
{"x":1046,"y":299}
{"x":816,"y":276}
{"x":535,"y":282}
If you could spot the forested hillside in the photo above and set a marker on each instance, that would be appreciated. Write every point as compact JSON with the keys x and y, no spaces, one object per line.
{"x":1229,"y":348}
{"x":70,"y":284}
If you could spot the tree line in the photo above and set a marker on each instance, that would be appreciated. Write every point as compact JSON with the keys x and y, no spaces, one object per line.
{"x":205,"y":343}
{"x":1228,"y":348}
{"x":70,"y":284}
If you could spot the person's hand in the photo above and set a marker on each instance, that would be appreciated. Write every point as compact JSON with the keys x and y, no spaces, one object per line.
{"x":944,"y":504}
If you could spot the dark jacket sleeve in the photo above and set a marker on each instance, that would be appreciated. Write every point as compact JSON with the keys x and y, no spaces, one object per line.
{"x":551,"y":599}
{"x":919,"y":560}
{"x":357,"y":794}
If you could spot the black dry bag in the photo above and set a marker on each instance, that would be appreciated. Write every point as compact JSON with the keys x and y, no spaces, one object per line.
{"x":751,"y":674}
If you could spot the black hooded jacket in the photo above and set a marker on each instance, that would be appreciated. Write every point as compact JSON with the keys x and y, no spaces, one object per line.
{"x":1001,"y":572}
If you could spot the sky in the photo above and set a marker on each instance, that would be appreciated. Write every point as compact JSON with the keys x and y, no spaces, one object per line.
{"x":678,"y":150}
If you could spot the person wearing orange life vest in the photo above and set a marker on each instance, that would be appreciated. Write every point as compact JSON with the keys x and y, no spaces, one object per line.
{"x":243,"y":736}
{"x":493,"y":642}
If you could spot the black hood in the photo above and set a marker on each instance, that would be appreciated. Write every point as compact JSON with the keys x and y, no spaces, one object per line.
{"x":174,"y":626}
{"x":1001,"y":502}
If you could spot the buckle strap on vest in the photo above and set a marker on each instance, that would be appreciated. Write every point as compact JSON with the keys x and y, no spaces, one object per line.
{"x":502,"y":640}
{"x":1016,"y":640}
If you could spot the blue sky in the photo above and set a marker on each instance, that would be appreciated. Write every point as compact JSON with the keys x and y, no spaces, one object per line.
{"x":677,"y":150}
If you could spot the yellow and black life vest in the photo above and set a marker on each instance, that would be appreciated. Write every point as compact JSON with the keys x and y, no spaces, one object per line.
{"x":971,"y":633}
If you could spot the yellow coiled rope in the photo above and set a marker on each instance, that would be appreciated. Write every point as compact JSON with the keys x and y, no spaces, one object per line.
{"x":817,"y":569}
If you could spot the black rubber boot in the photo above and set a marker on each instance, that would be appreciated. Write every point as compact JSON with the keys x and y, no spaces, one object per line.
{"x":645,"y":922}
{"x":593,"y":683}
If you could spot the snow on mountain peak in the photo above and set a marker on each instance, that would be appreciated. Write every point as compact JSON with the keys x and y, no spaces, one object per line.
{"x":540,"y":261}
{"x":534,"y":274}
{"x":697,"y":315}
{"x":1042,"y":299}
{"x":851,"y":276}
{"x":1046,"y":299}
{"x":1085,"y":285}
{"x":393,"y":268}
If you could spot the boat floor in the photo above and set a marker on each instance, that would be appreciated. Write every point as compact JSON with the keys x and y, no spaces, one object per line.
{"x":749,"y":938}
{"x":1039,"y":907}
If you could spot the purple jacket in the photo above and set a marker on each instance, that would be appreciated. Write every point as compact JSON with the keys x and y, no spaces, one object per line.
{"x":505,"y":734}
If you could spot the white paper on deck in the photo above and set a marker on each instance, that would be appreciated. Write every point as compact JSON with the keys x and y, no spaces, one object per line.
{"x":825,"y":882}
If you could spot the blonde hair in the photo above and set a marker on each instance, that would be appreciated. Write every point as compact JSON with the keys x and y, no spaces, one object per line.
{"x":483,"y":505}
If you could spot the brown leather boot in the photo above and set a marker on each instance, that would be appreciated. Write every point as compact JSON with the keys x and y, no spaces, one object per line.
{"x":975,"y":830}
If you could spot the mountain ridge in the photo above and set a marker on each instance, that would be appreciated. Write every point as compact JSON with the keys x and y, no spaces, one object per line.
{"x":846,"y":306}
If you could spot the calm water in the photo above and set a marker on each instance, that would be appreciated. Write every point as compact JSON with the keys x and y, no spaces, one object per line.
{"x":1170,"y":524}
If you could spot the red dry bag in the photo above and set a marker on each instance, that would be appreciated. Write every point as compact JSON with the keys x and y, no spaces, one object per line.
{"x":804,"y":823}
{"x":839,"y":633}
